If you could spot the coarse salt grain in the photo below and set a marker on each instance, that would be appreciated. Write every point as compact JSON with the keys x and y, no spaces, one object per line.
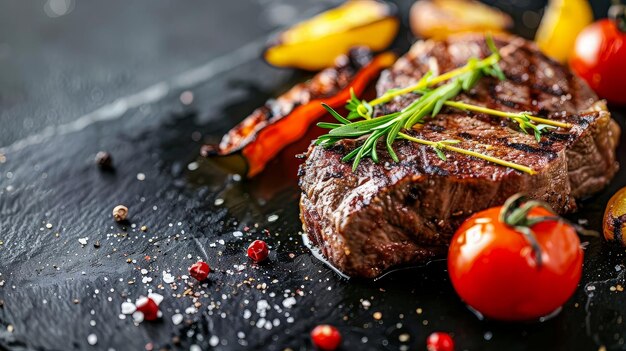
{"x":272,"y":218}
{"x":128,"y":308}
{"x":167,"y":278}
{"x":214,"y":340}
{"x":289,"y":302}
{"x":83,"y":241}
{"x":177,"y":318}
{"x":92,"y":339}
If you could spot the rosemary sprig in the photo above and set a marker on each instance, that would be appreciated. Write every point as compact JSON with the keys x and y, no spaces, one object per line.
{"x":488,"y":66}
{"x":389,"y":126}
{"x":430,"y":103}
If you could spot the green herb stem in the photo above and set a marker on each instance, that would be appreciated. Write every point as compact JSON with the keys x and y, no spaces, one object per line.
{"x":468,"y":107}
{"x":425,"y":83}
{"x":447,"y":146}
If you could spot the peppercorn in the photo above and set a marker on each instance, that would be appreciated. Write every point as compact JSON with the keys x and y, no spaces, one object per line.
{"x":120,"y":212}
{"x":148,"y":307}
{"x":258,"y":251}
{"x":439,"y":341}
{"x":326,"y":337}
{"x":104,"y":160}
{"x":199,"y":270}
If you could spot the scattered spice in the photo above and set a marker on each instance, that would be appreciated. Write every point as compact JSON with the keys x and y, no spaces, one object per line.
{"x":144,"y":228}
{"x":97,"y":244}
{"x":258,"y":251}
{"x":104,"y":160}
{"x":120,"y":212}
{"x":377,"y":316}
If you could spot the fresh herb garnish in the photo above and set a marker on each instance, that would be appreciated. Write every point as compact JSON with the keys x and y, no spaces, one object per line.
{"x":430,"y":103}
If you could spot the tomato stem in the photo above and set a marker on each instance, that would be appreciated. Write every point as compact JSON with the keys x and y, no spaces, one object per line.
{"x":515,"y":212}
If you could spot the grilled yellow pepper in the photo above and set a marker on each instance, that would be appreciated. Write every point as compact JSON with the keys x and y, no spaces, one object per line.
{"x":561,"y":23}
{"x":316,"y":43}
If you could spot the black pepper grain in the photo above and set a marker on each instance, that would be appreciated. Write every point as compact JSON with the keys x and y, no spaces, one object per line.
{"x":104,"y":160}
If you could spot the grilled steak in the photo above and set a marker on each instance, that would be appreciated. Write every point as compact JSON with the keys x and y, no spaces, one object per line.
{"x":388,"y":214}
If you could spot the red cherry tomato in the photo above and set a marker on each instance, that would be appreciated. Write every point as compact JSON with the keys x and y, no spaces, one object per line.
{"x":326,"y":337}
{"x":258,"y":251}
{"x":494,"y":269}
{"x":199,"y":270}
{"x":599,"y":58}
{"x":148,"y":307}
{"x":439,"y":342}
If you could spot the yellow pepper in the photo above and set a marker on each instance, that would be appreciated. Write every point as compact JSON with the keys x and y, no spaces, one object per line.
{"x":561,"y":23}
{"x":316,"y":43}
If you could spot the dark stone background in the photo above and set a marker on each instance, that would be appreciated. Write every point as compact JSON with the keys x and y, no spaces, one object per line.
{"x":109,"y":76}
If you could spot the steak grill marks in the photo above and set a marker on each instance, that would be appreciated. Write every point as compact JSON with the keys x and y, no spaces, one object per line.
{"x":391,"y":214}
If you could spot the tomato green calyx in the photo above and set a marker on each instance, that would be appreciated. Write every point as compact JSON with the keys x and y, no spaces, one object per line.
{"x":617,"y":13}
{"x":515,"y":212}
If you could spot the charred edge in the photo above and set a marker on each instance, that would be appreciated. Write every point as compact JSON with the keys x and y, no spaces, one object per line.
{"x":465,"y":135}
{"x":338,"y":148}
{"x":359,"y":57}
{"x":434,"y":170}
{"x":559,"y":136}
{"x":536,"y":87}
{"x":531,"y":149}
{"x":494,"y":96}
{"x":329,"y":175}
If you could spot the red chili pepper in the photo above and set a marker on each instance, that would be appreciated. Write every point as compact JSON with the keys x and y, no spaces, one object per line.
{"x":326,"y":337}
{"x":439,"y":341}
{"x":249,"y":146}
{"x":258,"y":251}
{"x":200,"y":270}
{"x":148,"y":307}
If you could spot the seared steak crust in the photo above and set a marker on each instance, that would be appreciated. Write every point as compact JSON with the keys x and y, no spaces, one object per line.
{"x":388,"y":214}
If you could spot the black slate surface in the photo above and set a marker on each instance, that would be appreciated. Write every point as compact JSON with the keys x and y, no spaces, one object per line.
{"x":56,"y":292}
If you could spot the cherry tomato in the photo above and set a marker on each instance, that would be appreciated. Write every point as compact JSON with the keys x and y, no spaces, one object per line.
{"x":494,"y":269}
{"x":199,"y":270}
{"x":599,"y":57}
{"x":326,"y":337}
{"x":258,"y":251}
{"x":439,"y":342}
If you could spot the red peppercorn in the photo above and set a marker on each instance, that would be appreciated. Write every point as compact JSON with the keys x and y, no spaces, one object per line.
{"x":199,"y":270}
{"x":440,"y":342}
{"x":148,"y":307}
{"x":326,"y":337}
{"x":258,"y":250}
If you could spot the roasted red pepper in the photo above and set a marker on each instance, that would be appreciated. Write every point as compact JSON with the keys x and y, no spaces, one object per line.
{"x":248,"y":147}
